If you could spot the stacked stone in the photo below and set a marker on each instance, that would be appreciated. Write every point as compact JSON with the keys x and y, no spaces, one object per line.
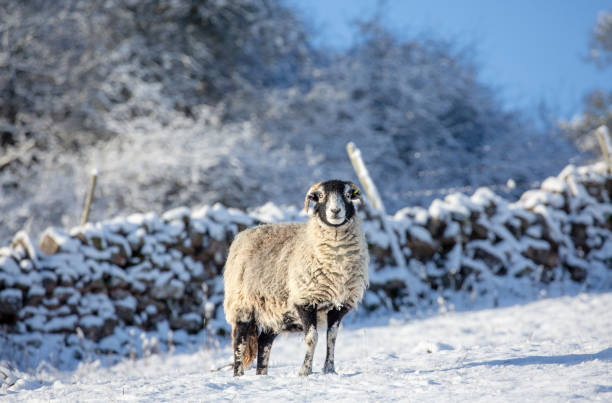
{"x":558,"y":232}
{"x":136,"y":271}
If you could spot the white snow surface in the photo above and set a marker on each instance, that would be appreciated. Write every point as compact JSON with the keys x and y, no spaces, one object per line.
{"x":554,"y":349}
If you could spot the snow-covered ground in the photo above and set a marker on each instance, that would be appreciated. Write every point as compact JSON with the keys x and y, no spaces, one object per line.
{"x":556,"y":349}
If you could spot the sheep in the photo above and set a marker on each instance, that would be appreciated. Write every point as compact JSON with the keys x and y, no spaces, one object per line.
{"x":287,"y":277}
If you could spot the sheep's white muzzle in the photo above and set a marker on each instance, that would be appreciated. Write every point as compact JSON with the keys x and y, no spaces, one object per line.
{"x":335,"y":210}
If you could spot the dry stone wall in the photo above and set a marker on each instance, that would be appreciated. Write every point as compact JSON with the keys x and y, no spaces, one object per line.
{"x":143,"y":270}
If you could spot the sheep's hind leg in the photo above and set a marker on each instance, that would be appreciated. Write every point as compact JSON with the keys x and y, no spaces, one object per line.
{"x":334,"y":317}
{"x":241,"y":331}
{"x":264,"y":344}
{"x":308,"y":315}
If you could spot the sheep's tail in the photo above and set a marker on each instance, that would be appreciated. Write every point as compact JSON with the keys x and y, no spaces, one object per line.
{"x":251,"y":348}
{"x":250,"y":351}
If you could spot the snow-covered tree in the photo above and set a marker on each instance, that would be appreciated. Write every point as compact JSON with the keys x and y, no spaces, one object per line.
{"x":598,"y":103}
{"x":76,"y":74}
{"x":419,"y":112}
{"x":601,"y":40}
{"x":191,"y":101}
{"x":73,"y":61}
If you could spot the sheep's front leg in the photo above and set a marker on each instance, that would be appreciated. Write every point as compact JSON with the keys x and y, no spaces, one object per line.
{"x":308,"y":315}
{"x":240,"y":333}
{"x":264,"y":344}
{"x":334,"y":317}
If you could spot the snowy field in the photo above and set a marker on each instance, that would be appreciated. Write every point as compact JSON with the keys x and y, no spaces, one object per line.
{"x":557,"y":349}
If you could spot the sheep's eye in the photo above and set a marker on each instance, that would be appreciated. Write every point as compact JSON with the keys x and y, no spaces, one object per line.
{"x":314,"y":197}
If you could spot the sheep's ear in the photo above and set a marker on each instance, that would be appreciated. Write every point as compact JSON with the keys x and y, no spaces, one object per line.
{"x":311,"y":195}
{"x":355,"y":192}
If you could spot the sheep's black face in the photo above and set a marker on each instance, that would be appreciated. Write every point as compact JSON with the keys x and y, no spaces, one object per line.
{"x":334,"y":201}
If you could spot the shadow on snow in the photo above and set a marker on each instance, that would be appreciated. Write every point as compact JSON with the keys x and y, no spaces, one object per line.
{"x":568,"y":359}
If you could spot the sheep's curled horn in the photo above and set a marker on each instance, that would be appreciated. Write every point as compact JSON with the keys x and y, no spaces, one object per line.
{"x":310,"y":195}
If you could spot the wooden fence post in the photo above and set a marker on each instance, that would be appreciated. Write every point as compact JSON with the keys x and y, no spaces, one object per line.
{"x":370,"y":188}
{"x":603,"y":135}
{"x":89,"y":199}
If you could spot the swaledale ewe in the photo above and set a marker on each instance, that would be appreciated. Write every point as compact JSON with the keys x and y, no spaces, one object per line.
{"x":288,"y":277}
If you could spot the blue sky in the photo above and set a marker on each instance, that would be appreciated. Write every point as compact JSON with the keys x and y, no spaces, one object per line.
{"x":530,"y":50}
